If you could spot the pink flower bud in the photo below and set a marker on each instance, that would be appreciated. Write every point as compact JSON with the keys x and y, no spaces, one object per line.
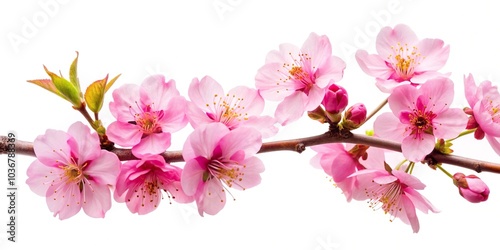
{"x":335,"y":100}
{"x":354,"y":116}
{"x":471,"y":187}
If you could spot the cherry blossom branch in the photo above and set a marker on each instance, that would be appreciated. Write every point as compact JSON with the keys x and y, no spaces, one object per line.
{"x":298,"y":145}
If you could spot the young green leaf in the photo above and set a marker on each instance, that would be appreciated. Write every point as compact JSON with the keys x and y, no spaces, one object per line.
{"x":48,"y":85}
{"x":94,"y":95}
{"x":111,"y":82}
{"x":73,"y":74}
{"x":66,"y":88}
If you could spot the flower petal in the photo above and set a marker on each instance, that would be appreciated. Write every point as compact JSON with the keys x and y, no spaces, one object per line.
{"x":291,"y":108}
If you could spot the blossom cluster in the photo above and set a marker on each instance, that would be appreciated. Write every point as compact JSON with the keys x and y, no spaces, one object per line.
{"x":75,"y":169}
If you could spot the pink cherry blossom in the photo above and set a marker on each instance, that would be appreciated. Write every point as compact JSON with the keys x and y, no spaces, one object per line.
{"x":395,"y":193}
{"x":471,"y":187}
{"x":147,"y":115}
{"x":354,"y":116}
{"x":140,"y":184}
{"x":217,"y":159}
{"x":419,"y":116}
{"x":484,"y":101}
{"x":72,"y":172}
{"x":340,"y":162}
{"x":403,"y":59}
{"x":240,"y":107}
{"x":298,"y":77}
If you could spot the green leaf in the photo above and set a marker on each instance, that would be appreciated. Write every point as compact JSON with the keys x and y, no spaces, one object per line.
{"x":66,"y":88}
{"x":48,"y":85}
{"x":111,"y":82}
{"x":94,"y":95}
{"x":73,"y":74}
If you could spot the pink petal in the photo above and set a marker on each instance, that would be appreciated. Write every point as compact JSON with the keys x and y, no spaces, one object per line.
{"x":264,"y":124}
{"x":439,"y":93}
{"x":52,"y":148}
{"x":196,"y":116}
{"x":420,"y":202}
{"x":388,"y":126}
{"x":64,"y":199}
{"x":174,"y":116}
{"x":213,"y":198}
{"x":435,"y":54}
{"x":402,"y":99}
{"x":331,"y":70}
{"x":251,"y":102}
{"x":178,"y":194}
{"x":385,"y":179}
{"x":203,"y":140}
{"x":415,"y":149}
{"x":422,"y":77}
{"x":388,"y":37}
{"x":494,"y":142}
{"x":152,"y":144}
{"x":202,"y":93}
{"x":87,"y":145}
{"x":96,"y":199}
{"x":251,"y":174}
{"x":387,"y":86}
{"x":318,"y":49}
{"x":484,"y":118}
{"x":292,"y":108}
{"x":104,"y":169}
{"x":124,"y":103}
{"x":192,"y":175}
{"x":470,"y":90}
{"x":411,"y":213}
{"x":40,"y":177}
{"x":408,"y":179}
{"x":156,"y":92}
{"x":248,"y":140}
{"x":373,"y":65}
{"x":124,"y":134}
{"x":272,"y":83}
{"x":449,"y":123}
{"x":314,"y":98}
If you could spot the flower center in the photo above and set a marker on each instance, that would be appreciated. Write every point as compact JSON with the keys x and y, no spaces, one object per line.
{"x":297,"y":71}
{"x":494,"y":110}
{"x":148,"y":120}
{"x":386,"y":197}
{"x":228,"y":109}
{"x":421,"y":122}
{"x":404,"y":61}
{"x":73,"y":172}
{"x":226,"y":171}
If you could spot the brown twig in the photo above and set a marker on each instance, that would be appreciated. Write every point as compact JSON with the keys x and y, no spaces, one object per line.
{"x":297,"y":145}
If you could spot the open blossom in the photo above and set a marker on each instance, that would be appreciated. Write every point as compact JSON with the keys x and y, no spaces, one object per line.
{"x":298,"y":76}
{"x":240,"y":107}
{"x":146,"y":115}
{"x":72,"y":172}
{"x":484,"y":101}
{"x":395,"y":193}
{"x":419,"y":116}
{"x":340,"y":161}
{"x":402,"y":58}
{"x":216,"y":159}
{"x":140,"y":184}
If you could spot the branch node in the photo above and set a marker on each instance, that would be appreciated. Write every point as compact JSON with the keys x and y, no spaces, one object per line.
{"x":300,"y":147}
{"x":478,"y":168}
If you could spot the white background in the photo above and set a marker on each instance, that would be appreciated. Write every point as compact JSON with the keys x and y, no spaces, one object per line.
{"x":295,"y":207}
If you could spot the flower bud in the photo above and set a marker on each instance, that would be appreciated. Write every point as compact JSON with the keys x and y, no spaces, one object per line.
{"x":318,"y":115}
{"x":335,"y":101}
{"x":471,"y":187}
{"x":354,"y":116}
